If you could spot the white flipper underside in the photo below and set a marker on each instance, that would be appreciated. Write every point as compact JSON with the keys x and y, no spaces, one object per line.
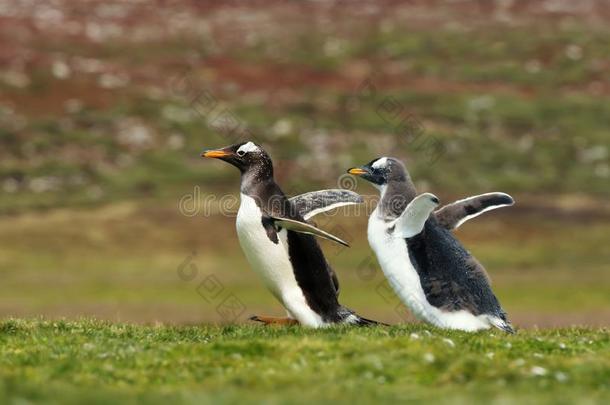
{"x":412,"y":220}
{"x":302,"y":227}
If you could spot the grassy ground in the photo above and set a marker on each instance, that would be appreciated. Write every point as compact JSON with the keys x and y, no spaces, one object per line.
{"x":69,"y":361}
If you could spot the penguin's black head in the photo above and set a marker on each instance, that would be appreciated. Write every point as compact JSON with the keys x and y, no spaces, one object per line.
{"x":381,"y":171}
{"x":246,"y":156}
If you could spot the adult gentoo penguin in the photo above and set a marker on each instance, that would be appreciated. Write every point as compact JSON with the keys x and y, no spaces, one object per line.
{"x":277,"y":240}
{"x":437,"y":278}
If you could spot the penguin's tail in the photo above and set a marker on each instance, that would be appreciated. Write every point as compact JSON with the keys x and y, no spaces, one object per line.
{"x":349,"y":317}
{"x":502,"y":324}
{"x":360,"y":321}
{"x":355,"y":319}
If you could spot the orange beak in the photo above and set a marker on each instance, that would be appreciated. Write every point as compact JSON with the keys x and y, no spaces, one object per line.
{"x":215,"y":154}
{"x":357,"y":171}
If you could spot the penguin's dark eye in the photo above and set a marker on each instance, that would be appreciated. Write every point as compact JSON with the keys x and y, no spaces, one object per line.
{"x":240,"y":153}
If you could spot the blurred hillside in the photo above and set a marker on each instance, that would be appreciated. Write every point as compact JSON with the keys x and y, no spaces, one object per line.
{"x":106,"y":105}
{"x":106,"y":100}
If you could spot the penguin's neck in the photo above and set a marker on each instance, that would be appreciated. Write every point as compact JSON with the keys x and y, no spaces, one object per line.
{"x":268,"y":196}
{"x":395,"y":196}
{"x":256,"y":175}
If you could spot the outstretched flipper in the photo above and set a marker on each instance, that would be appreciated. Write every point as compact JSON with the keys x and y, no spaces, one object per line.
{"x":451,"y":216}
{"x":303,"y":227}
{"x":316,"y":202}
{"x":411,"y":221}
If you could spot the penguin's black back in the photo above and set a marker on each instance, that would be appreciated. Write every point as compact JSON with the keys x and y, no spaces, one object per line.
{"x":313,"y":275}
{"x":451,"y":277}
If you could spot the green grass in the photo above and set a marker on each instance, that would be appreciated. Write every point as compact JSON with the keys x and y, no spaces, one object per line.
{"x":61,"y":361}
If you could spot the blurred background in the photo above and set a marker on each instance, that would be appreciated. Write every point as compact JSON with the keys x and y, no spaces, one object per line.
{"x":107,"y":211}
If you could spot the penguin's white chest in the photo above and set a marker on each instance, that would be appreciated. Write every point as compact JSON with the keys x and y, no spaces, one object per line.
{"x":271,"y":262}
{"x":393,"y":256}
{"x":268,"y":259}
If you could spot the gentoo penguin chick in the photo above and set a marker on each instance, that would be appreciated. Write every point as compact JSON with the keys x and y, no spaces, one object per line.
{"x":277,"y":240}
{"x":437,"y":278}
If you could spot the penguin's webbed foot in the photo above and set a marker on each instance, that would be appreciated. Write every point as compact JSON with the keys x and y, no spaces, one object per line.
{"x":271,"y":320}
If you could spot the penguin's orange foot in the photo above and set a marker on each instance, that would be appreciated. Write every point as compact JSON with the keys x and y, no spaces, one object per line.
{"x":271,"y":320}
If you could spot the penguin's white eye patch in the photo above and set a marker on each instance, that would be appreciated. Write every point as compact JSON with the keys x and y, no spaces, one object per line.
{"x":380,"y":163}
{"x":246,"y":147}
